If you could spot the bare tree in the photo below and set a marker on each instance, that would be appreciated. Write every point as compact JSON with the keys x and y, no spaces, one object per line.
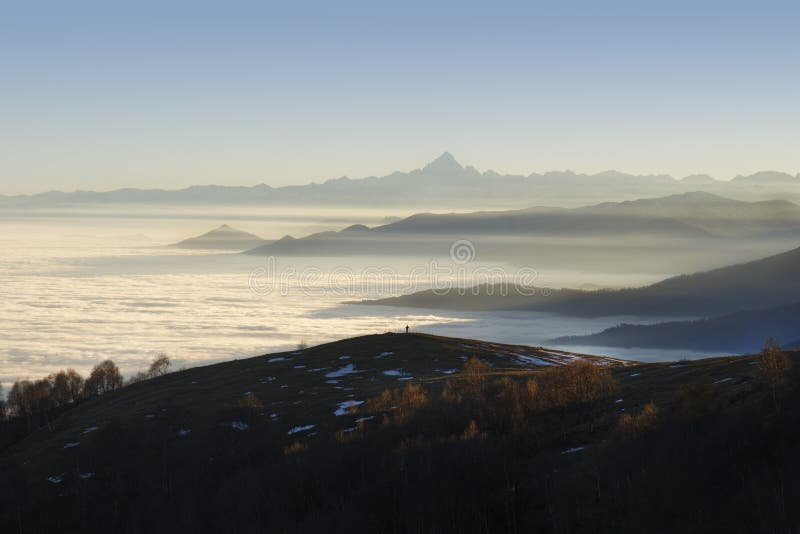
{"x":18,"y":401}
{"x":28,"y":399}
{"x":74,"y":385}
{"x":160,"y":366}
{"x":67,"y":386}
{"x":104,"y":377}
{"x":773,"y":368}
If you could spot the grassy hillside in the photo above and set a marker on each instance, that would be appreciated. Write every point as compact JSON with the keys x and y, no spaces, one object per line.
{"x":452,"y":436}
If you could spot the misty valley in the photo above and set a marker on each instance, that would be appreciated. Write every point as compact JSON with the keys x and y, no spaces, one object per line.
{"x":145,"y":278}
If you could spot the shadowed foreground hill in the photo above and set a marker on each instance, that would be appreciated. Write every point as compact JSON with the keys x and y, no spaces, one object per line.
{"x":416,"y":433}
{"x":763,"y":283}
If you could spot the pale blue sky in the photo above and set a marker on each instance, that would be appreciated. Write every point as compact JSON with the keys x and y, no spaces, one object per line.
{"x":99,"y":96}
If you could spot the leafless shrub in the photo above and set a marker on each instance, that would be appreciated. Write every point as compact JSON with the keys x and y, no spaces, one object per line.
{"x":251,"y":403}
{"x":295,"y":448}
{"x":773,"y":366}
{"x":160,"y":366}
{"x":699,"y":397}
{"x":580,"y":382}
{"x":472,"y":432}
{"x":401,"y":402}
{"x":475,"y":372}
{"x":635,"y":424}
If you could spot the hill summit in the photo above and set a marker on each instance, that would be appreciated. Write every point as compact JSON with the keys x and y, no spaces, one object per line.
{"x":223,"y":237}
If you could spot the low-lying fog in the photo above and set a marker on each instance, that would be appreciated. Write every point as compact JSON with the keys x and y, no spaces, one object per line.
{"x":80,"y":287}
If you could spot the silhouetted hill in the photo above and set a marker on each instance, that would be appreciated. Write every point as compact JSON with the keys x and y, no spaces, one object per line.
{"x":368,"y":434}
{"x":712,"y":213}
{"x":224,"y":237}
{"x":767,"y":178}
{"x":688,"y":216}
{"x":767,"y":282}
{"x":543,"y":221}
{"x":743,"y":332}
{"x":699,"y":179}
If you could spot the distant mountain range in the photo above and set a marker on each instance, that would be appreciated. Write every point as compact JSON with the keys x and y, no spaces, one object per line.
{"x":693,"y":215}
{"x":443,"y":182}
{"x":740,"y":332}
{"x":763,"y":283}
{"x":223,"y":238}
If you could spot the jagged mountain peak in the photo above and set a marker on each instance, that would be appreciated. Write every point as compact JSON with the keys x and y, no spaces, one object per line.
{"x":444,"y":163}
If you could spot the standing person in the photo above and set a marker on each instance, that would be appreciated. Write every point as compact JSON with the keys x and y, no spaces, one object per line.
{"x":406,"y":329}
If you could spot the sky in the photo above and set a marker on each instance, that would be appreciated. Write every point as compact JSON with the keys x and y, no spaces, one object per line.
{"x":101,"y":95}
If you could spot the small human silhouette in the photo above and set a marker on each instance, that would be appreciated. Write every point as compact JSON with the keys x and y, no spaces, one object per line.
{"x":406,"y":329}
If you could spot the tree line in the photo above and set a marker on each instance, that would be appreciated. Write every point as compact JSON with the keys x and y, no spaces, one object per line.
{"x":32,"y":404}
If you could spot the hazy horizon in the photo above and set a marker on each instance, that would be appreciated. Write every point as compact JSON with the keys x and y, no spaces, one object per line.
{"x":98,"y":97}
{"x":445,"y":154}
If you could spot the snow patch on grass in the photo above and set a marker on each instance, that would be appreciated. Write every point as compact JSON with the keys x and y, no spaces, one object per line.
{"x":346,"y":370}
{"x":530,"y":360}
{"x":343,"y":408}
{"x":297,"y":429}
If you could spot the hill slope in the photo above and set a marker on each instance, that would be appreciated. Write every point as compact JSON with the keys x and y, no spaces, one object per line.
{"x":505,"y":439}
{"x":688,"y":216}
{"x":741,"y":332}
{"x":765,"y":283}
{"x":222,"y":238}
